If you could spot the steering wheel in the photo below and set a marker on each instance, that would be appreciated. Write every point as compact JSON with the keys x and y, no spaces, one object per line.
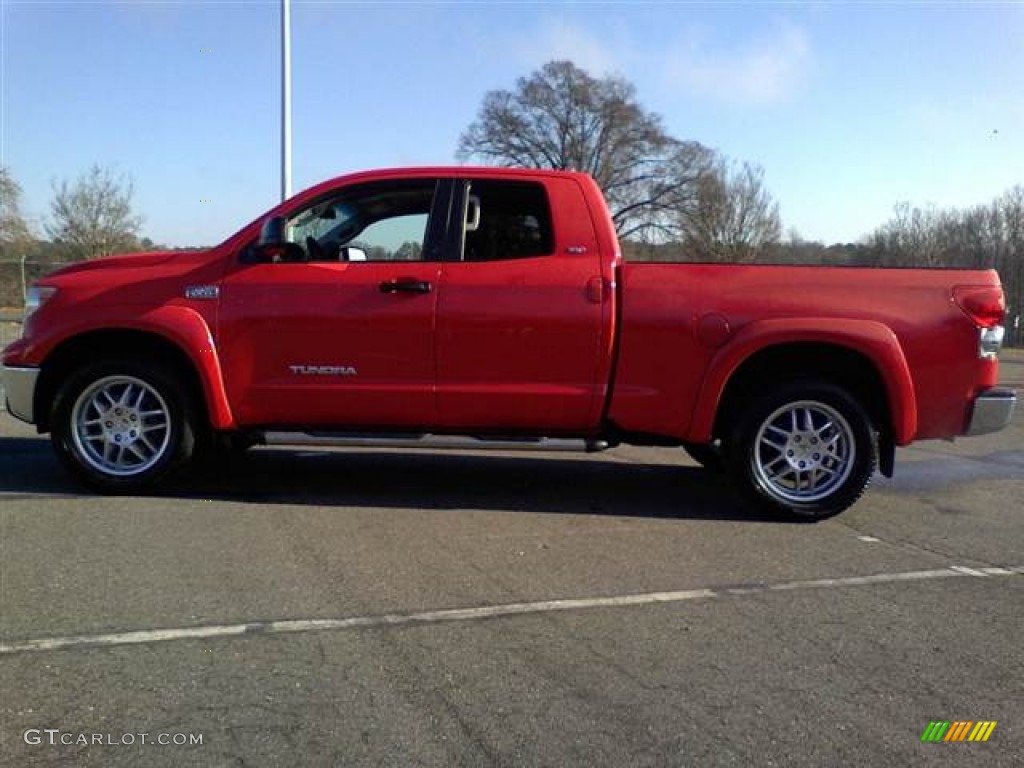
{"x":316,"y":253}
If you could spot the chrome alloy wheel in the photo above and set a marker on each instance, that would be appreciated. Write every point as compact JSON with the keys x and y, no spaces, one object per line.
{"x":803,"y":452}
{"x":121,"y":425}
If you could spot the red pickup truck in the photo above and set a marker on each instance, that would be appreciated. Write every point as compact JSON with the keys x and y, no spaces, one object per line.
{"x":495,"y":304}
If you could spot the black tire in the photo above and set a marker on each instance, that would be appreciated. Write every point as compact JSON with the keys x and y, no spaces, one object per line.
{"x":805,"y":448}
{"x":708,"y":455}
{"x":123,"y":426}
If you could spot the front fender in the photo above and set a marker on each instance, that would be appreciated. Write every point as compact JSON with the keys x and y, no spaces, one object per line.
{"x":187,"y":329}
{"x":179,"y":325}
{"x":873,"y":340}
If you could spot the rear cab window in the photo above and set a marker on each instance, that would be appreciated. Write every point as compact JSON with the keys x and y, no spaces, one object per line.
{"x":506,"y":220}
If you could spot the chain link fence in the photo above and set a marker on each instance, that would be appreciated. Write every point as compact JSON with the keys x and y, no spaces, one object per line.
{"x":16,"y":275}
{"x":10,"y":327}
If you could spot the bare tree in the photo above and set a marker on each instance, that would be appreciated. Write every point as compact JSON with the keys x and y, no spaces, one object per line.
{"x":983,"y":237}
{"x":561,"y":117}
{"x":15,"y":234}
{"x":93,"y":216}
{"x":1011,"y":263}
{"x":733,"y":217}
{"x":670,"y":195}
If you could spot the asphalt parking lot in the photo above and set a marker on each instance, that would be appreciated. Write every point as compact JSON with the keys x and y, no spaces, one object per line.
{"x":361,"y":607}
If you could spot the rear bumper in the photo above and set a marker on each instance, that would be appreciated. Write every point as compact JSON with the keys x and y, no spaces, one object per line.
{"x":20,"y":390}
{"x":992,"y":411}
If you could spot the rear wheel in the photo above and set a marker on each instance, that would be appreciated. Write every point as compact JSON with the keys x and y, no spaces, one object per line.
{"x":123,"y":426}
{"x":806,"y":448}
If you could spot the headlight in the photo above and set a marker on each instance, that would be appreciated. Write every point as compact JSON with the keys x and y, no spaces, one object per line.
{"x":36,"y":296}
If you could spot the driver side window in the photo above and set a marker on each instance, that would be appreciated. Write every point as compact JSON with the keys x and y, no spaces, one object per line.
{"x":399,"y":238}
{"x":383,"y":221}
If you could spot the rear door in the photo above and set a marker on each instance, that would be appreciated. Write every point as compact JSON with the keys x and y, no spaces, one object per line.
{"x":342,"y":333}
{"x":521,"y":310}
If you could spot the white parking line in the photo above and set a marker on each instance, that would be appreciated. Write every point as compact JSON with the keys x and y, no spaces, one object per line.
{"x":147,"y":636}
{"x":36,"y":495}
{"x":970,"y":571}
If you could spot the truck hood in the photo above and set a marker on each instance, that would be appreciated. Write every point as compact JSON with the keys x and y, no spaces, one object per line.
{"x":139,"y":260}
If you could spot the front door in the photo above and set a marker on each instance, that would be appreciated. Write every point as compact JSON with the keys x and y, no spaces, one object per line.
{"x":340,"y":331}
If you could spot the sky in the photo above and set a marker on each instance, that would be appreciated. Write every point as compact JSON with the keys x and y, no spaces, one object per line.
{"x":850,"y":108}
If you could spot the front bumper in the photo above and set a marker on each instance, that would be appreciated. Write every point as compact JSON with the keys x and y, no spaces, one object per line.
{"x":993,"y":409}
{"x":20,"y":390}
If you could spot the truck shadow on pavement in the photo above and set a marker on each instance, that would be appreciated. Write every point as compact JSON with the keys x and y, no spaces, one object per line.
{"x":438,"y":481}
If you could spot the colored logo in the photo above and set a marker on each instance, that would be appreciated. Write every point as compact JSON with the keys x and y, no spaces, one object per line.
{"x":958,"y":730}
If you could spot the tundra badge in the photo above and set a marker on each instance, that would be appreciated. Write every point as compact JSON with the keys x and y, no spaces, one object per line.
{"x":323,"y":370}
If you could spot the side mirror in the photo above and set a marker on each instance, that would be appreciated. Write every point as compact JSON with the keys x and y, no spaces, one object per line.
{"x":272,"y":232}
{"x":353,"y":254}
{"x":273,"y":244}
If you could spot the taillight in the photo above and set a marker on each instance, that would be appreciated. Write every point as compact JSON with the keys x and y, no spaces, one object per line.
{"x":984,"y":304}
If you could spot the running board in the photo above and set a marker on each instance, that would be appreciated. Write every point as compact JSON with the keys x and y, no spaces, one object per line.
{"x":434,"y":442}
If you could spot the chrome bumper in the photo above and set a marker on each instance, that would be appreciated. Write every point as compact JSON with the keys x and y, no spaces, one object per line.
{"x":993,"y":410}
{"x":20,"y":390}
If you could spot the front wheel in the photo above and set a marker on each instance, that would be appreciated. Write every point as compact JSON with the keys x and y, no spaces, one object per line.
{"x":123,"y":426}
{"x":804,"y":448}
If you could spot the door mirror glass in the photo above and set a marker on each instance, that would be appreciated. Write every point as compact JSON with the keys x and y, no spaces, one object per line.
{"x":353,"y":254}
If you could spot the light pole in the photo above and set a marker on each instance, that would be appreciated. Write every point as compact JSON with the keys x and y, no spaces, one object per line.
{"x":286,"y":99}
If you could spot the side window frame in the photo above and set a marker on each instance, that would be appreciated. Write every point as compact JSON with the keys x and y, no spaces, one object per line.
{"x":440,"y":221}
